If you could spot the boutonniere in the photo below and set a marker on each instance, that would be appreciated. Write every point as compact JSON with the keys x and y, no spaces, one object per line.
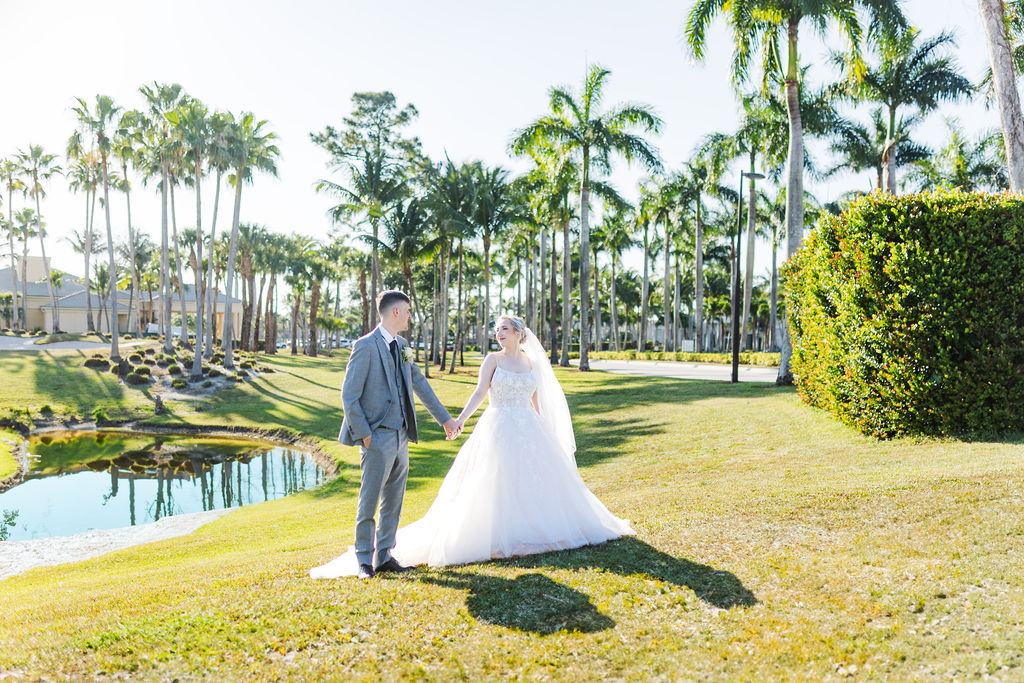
{"x":407,"y":355}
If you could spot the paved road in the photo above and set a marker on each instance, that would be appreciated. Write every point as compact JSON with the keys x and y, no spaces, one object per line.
{"x":8,"y":343}
{"x":712,"y":371}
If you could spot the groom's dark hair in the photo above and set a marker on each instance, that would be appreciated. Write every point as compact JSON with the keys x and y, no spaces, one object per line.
{"x":388,"y":298}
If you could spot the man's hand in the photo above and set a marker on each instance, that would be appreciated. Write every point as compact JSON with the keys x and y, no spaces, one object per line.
{"x":452,"y":429}
{"x":366,"y":440}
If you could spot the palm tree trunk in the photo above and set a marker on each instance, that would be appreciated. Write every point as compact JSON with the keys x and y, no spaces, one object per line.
{"x":19,"y":319}
{"x":889,"y":154}
{"x":585,"y":264}
{"x":597,"y":305}
{"x":748,"y":275}
{"x":677,"y":307}
{"x":200,"y":293}
{"x":566,"y":293}
{"x":375,"y":269}
{"x":229,"y":279}
{"x":115,"y":353}
{"x":698,"y":284}
{"x":181,"y":275}
{"x":46,"y":265}
{"x":165,"y":266}
{"x":90,"y":217}
{"x":314,"y":308}
{"x":795,"y":185}
{"x":460,"y":322}
{"x":641,"y":344}
{"x":1007,"y":97}
{"x":553,"y":300}
{"x":259,"y":310}
{"x":612,"y":305}
{"x":211,"y":289}
{"x":297,"y":296}
{"x":270,"y":323}
{"x":773,"y":297}
{"x":542,"y":282}
{"x":365,"y":300}
{"x":666,"y":307}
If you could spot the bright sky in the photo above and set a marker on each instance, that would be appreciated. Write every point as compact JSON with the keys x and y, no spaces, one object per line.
{"x":475,"y":70}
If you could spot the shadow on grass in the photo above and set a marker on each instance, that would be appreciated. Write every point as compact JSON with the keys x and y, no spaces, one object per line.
{"x":535,"y":603}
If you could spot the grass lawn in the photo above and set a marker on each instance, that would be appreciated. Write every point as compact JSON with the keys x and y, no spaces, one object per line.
{"x":72,"y":336}
{"x":772,"y":542}
{"x":8,"y":466}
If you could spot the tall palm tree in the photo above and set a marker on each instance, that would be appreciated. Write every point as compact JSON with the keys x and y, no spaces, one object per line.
{"x":219,"y":162}
{"x":618,"y":239}
{"x":250,"y":149}
{"x":964,"y":162}
{"x":910,"y":73}
{"x":191,"y":122}
{"x":98,"y":122}
{"x":25,"y":228}
{"x":159,"y":146}
{"x":858,"y":147}
{"x":126,"y":149}
{"x":577,"y":124}
{"x":761,"y":25}
{"x":84,"y":176}
{"x":1004,"y":79}
{"x":37,"y":165}
{"x":9,"y":175}
{"x":494,"y":207}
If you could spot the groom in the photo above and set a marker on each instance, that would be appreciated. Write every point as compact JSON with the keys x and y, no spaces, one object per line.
{"x":381,"y":418}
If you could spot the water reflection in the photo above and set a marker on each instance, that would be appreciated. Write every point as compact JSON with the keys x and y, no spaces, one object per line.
{"x":80,"y":482}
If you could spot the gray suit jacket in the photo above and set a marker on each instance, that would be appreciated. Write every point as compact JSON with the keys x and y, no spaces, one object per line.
{"x":370,"y":390}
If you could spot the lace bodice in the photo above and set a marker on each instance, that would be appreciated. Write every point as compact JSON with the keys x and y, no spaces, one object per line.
{"x":511,"y":389}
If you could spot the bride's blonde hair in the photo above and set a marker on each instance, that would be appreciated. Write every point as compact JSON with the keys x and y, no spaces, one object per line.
{"x":518,"y":324}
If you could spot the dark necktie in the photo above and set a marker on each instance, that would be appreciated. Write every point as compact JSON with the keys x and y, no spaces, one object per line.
{"x":394,"y":351}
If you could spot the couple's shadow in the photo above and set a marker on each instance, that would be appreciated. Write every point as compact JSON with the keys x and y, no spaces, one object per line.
{"x":534,"y":603}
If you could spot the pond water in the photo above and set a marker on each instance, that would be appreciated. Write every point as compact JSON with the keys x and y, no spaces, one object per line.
{"x":81,"y":481}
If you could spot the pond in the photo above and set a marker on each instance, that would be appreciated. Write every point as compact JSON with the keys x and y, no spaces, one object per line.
{"x":80,"y":481}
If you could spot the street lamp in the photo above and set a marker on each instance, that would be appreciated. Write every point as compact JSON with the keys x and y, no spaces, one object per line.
{"x":736,"y":279}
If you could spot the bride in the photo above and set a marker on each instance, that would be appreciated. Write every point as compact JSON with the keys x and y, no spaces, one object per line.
{"x":513,"y":488}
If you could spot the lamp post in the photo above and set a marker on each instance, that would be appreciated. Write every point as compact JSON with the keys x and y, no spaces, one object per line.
{"x":736,"y":278}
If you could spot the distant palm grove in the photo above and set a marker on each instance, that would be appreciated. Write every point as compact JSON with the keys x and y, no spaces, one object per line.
{"x":558,"y":244}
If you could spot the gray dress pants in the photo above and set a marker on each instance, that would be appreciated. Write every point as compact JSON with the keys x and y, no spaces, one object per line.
{"x":384,"y":468}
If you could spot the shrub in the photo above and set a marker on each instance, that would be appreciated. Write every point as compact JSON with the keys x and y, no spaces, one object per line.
{"x":97,"y":362}
{"x":174,"y":369}
{"x":206,"y":368}
{"x":906,"y":314}
{"x":207,"y":384}
{"x":135,"y":358}
{"x":214,"y":372}
{"x":100,"y":416}
{"x":143,"y":370}
{"x":149,"y":361}
{"x":248,"y":365}
{"x":47,"y":409}
{"x":150,"y":351}
{"x":179,"y":383}
{"x":135,"y":378}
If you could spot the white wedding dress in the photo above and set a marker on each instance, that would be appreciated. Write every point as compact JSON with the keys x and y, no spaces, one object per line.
{"x":512,"y":490}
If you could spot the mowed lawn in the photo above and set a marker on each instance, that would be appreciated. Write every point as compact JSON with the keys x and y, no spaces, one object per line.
{"x":771,"y":542}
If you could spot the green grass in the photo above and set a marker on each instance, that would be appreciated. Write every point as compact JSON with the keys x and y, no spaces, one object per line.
{"x":767,"y":360}
{"x":71,"y":336}
{"x":8,"y":465}
{"x":772,"y":543}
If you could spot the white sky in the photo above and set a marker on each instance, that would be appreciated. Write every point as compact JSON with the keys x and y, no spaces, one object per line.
{"x":475,"y":70}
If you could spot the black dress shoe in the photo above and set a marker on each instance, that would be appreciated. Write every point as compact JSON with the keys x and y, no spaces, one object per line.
{"x":391,"y":566}
{"x":366,"y":571}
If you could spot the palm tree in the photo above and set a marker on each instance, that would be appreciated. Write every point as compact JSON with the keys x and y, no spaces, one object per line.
{"x":9,"y":175}
{"x":858,"y":147}
{"x":97,"y":122}
{"x":909,"y":73}
{"x":85,"y":242}
{"x":219,"y":161}
{"x":84,"y":176}
{"x":159,"y":147}
{"x":617,"y":239}
{"x":126,"y":148}
{"x":250,"y":149}
{"x":37,"y":165}
{"x":579,"y":126}
{"x":25,"y":228}
{"x":494,"y":207}
{"x":191,"y":122}
{"x":761,"y":25}
{"x":1004,"y":80}
{"x":970,"y":164}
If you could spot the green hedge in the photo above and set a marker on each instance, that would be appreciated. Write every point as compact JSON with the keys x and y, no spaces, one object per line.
{"x":907,"y":314}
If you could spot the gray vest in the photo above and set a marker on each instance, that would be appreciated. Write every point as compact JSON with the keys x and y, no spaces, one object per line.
{"x":396,"y":416}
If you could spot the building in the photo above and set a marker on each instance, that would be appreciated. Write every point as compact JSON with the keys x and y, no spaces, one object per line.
{"x":72,"y":303}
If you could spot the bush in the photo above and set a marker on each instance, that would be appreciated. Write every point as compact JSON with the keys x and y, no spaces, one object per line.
{"x":149,"y":361}
{"x":214,"y":372}
{"x":47,"y":409}
{"x":100,"y":416}
{"x":150,"y":351}
{"x":248,"y":365}
{"x":135,"y":378}
{"x":143,"y":370}
{"x":135,"y":358}
{"x":906,"y":314}
{"x":179,"y":383}
{"x":97,"y":362}
{"x":174,"y":369}
{"x":207,"y":384}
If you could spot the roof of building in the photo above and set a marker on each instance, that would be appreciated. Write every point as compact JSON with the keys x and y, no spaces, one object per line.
{"x":77,"y":300}
{"x":69,"y":285}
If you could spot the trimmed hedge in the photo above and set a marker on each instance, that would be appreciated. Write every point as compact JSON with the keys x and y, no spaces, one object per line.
{"x":762,"y":359}
{"x":907,"y":314}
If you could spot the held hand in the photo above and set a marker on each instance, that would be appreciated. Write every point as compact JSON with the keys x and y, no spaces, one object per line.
{"x":366,"y":440}
{"x":452,"y":429}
